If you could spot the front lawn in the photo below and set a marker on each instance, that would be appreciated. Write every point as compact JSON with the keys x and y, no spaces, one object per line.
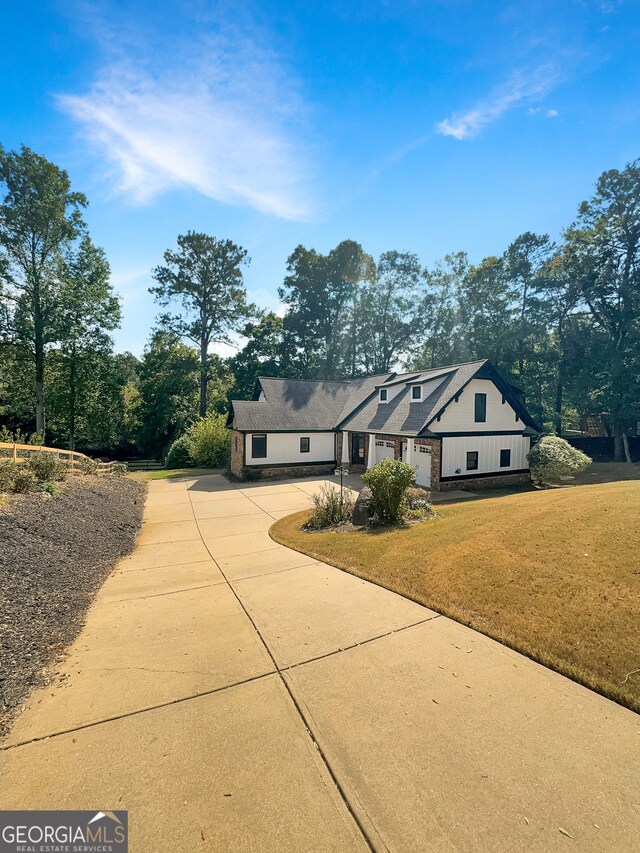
{"x":554,"y":574}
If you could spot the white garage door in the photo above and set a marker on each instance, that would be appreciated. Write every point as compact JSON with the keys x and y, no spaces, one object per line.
{"x":422,"y":463}
{"x":384,"y":450}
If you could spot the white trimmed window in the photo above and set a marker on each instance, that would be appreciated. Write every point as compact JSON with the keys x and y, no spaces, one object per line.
{"x":383,"y":395}
{"x":416,"y":393}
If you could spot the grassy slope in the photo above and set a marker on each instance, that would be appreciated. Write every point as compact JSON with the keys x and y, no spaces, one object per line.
{"x":554,"y":574}
{"x":172,"y":473}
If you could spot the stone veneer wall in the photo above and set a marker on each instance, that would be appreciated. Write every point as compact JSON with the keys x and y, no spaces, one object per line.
{"x":237,"y":453}
{"x":267,"y":472}
{"x":488,"y":482}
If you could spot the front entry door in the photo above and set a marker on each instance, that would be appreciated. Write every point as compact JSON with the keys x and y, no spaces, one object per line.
{"x":357,"y":449}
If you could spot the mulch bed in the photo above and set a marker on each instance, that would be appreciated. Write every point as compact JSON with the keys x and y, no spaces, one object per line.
{"x":55,"y":553}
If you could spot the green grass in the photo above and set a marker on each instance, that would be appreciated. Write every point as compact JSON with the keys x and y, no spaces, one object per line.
{"x":554,"y":574}
{"x":171,"y":474}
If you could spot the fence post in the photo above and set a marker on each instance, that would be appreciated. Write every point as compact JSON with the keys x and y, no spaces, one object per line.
{"x":15,"y":452}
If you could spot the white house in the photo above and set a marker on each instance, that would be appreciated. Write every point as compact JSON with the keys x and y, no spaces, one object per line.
{"x":456,"y":425}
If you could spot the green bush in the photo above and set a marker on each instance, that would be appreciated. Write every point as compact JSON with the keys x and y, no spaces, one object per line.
{"x":210,"y":442}
{"x":84,"y":465}
{"x":553,"y":457}
{"x":46,"y":467}
{"x":25,"y":480}
{"x":8,"y":472}
{"x":330,"y":507}
{"x":179,"y":455}
{"x":389,"y":481}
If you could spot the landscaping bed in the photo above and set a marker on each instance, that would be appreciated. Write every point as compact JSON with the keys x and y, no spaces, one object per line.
{"x":55,"y":553}
{"x":553,"y":574}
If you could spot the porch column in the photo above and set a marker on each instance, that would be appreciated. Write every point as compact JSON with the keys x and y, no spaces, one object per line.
{"x":345,"y":448}
{"x":372,"y":450}
{"x":409,"y":459}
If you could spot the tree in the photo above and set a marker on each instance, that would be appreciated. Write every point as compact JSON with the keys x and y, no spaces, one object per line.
{"x":320,"y":325}
{"x":90,"y":311}
{"x":264,"y":354}
{"x":391,"y":311}
{"x":523,"y":261}
{"x":203,"y":282}
{"x":39,"y":215}
{"x":440,"y":342}
{"x":169,"y":374}
{"x":604,"y":249}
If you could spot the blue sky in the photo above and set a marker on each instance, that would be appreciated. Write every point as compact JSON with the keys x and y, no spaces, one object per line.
{"x":423,"y":126}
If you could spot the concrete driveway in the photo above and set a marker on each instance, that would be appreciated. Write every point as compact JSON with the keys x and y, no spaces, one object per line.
{"x":235,"y":695}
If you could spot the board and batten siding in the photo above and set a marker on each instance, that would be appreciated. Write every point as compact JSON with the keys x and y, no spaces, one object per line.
{"x":488,"y":447}
{"x":284,"y":447}
{"x":460,"y":416}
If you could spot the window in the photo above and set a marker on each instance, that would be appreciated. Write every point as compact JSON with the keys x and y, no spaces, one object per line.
{"x":416,"y":393}
{"x":259,"y":446}
{"x":481,"y":408}
{"x":304,"y":445}
{"x":505,"y":458}
{"x":472,"y":460}
{"x":383,"y":395}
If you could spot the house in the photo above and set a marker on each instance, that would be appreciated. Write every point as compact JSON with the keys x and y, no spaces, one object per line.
{"x":457,"y":425}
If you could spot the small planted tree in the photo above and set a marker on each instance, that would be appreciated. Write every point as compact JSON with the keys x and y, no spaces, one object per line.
{"x":553,"y":457}
{"x":389,"y":481}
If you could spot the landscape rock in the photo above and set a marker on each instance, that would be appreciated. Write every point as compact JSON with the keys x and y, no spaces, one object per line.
{"x":363,"y":510}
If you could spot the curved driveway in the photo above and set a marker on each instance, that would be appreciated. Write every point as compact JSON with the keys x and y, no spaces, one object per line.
{"x":235,"y":695}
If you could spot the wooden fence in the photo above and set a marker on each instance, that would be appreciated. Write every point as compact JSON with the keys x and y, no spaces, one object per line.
{"x":20,"y":452}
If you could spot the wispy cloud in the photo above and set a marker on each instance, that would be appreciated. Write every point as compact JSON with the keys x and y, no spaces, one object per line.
{"x":217,"y":115}
{"x":521,"y":88}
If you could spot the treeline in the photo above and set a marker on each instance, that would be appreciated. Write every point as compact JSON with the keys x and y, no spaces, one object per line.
{"x":560,"y":319}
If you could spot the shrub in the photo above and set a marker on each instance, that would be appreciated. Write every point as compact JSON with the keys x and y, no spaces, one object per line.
{"x":179,"y":455}
{"x":8,"y":471}
{"x":553,"y":457}
{"x":417,"y":496}
{"x":210,"y":442}
{"x":47,"y":467}
{"x":330,"y":507}
{"x":85,"y":465}
{"x":24,"y":480}
{"x":389,"y":481}
{"x":118,"y":469}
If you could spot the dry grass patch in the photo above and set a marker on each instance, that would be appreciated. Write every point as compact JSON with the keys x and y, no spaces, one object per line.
{"x":554,"y":574}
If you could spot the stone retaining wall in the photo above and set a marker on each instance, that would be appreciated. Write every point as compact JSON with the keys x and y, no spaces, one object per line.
{"x":471,"y":484}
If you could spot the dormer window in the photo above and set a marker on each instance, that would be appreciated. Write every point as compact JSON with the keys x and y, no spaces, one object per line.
{"x":383,"y":395}
{"x":416,"y":393}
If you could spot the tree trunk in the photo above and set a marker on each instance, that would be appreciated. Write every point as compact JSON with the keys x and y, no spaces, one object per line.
{"x":625,"y":444}
{"x":618,"y":443}
{"x":203,"y":376}
{"x":39,"y":362}
{"x":72,"y":400}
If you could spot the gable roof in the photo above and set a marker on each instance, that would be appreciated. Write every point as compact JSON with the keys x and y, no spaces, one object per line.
{"x":401,"y":416}
{"x":315,"y":405}
{"x":293,"y":404}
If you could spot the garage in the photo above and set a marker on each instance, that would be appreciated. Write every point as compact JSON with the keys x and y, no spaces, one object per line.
{"x":422,"y":463}
{"x":384,"y":450}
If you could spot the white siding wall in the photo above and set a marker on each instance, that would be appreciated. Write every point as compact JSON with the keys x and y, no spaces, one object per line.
{"x":454,"y":453}
{"x":460,"y":416}
{"x":285,"y":447}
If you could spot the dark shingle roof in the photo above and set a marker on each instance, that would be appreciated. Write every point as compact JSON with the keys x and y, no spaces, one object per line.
{"x":400,"y":416}
{"x":293,"y":404}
